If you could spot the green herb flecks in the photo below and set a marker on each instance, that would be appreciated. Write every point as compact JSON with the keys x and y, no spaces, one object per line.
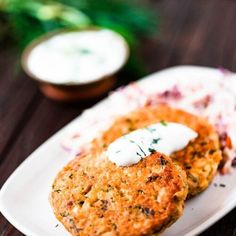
{"x":164,"y":123}
{"x":138,"y":147}
{"x":139,"y":154}
{"x":156,"y":140}
{"x":151,"y":150}
{"x":85,"y":51}
{"x":141,"y":150}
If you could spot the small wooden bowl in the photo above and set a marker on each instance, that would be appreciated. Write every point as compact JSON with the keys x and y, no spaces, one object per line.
{"x":69,"y":92}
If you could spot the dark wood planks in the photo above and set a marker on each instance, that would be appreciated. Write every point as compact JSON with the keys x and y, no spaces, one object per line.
{"x":192,"y":32}
{"x":42,"y":123}
{"x":18,"y":96}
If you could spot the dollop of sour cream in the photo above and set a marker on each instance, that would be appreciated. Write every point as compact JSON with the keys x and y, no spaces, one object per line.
{"x":162,"y":137}
{"x":78,"y":57}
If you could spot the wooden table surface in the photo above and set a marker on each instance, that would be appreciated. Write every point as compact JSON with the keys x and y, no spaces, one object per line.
{"x":199,"y":32}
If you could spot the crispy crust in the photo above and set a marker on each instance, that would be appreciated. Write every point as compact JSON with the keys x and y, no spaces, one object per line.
{"x":93,"y":196}
{"x":200,"y":159}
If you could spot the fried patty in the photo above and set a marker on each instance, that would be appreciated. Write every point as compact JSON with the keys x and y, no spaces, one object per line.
{"x":200,"y":159}
{"x":93,"y":196}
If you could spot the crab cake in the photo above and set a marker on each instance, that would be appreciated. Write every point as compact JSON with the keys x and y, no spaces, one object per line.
{"x":94,"y":196}
{"x":199,"y":159}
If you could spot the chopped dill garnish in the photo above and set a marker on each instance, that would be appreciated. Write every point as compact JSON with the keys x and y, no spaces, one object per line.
{"x":138,"y":147}
{"x":151,"y":150}
{"x":139,"y":154}
{"x":141,"y":150}
{"x":156,"y":140}
{"x":163,"y":122}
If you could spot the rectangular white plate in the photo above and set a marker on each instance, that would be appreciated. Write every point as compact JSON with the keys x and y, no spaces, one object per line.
{"x":24,"y":196}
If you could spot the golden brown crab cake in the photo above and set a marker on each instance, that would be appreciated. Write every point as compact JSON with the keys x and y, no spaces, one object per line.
{"x":93,"y":196}
{"x":200,"y":159}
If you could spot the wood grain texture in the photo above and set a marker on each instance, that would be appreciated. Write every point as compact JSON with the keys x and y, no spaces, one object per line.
{"x":191,"y":32}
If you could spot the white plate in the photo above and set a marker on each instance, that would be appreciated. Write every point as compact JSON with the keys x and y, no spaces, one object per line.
{"x":24,"y":196}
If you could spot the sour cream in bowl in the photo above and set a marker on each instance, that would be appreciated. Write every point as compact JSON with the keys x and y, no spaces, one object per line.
{"x":76,"y":64}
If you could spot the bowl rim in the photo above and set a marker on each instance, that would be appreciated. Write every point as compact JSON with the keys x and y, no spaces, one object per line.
{"x":34,"y":43}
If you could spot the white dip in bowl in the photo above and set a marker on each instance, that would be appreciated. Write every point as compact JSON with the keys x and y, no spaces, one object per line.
{"x":77,"y":57}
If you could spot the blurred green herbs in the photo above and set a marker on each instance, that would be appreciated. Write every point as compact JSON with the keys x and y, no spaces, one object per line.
{"x":21,"y":21}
